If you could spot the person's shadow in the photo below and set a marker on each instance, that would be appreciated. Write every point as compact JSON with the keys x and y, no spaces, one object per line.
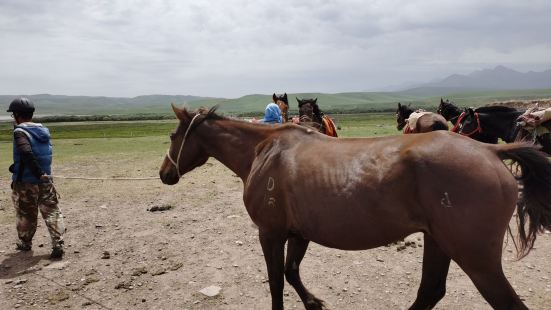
{"x":19,"y":263}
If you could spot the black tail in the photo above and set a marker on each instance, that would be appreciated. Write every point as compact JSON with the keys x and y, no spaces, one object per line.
{"x":536,"y":193}
{"x":439,"y":126}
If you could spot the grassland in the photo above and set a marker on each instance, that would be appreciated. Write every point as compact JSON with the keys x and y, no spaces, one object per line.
{"x":75,"y":141}
{"x":352,"y":125}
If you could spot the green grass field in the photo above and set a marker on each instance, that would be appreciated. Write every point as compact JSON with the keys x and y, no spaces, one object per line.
{"x":89,"y":141}
{"x":352,"y":125}
{"x":84,"y":143}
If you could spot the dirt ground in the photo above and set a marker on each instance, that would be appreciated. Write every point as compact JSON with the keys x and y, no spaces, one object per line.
{"x":160,"y":260}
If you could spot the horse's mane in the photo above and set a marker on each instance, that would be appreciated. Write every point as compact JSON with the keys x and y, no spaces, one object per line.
{"x":209,"y":114}
{"x":406,"y":109}
{"x":495,"y":109}
{"x":450,"y":104}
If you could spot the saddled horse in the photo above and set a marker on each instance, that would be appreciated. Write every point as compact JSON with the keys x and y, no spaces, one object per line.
{"x":412,"y":121}
{"x":371,"y":192}
{"x":488,"y":124}
{"x":449,"y":111}
{"x":283,"y":103}
{"x":311,"y":115}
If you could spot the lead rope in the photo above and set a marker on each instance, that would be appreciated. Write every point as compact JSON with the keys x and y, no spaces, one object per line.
{"x":177,"y":162}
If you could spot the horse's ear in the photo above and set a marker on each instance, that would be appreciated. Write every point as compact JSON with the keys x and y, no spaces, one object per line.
{"x":471,"y":112}
{"x":298,"y":100}
{"x":274,"y":97}
{"x":180,"y":113}
{"x":315,"y":100}
{"x":285,"y":96}
{"x":441,"y":100}
{"x":399,"y":105}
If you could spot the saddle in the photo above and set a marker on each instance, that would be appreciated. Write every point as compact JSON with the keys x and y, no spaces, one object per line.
{"x":411,"y":122}
{"x":536,"y":120}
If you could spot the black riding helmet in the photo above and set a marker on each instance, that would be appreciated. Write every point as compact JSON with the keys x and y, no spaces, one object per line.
{"x":21,"y":104}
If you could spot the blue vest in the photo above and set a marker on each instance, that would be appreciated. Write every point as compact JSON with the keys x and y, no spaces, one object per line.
{"x":39,"y":138}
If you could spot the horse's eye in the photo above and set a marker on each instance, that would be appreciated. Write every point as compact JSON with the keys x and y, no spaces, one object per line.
{"x":172,"y":136}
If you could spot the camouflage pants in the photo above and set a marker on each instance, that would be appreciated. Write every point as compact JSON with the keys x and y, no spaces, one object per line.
{"x":28,"y":199}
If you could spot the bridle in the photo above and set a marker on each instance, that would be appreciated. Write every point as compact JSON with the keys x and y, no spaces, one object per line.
{"x":177,"y":162}
{"x":477,"y":129}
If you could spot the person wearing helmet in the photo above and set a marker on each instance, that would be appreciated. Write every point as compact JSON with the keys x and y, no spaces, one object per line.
{"x":32,"y":187}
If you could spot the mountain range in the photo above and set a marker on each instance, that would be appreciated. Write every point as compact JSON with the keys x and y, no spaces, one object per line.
{"x":474,"y":89}
{"x":498,"y":78}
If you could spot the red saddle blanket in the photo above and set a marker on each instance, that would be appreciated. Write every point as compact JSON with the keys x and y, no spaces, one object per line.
{"x":329,"y":125}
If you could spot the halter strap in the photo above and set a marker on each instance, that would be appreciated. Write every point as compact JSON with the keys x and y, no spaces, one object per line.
{"x":460,"y":118}
{"x":177,"y":162}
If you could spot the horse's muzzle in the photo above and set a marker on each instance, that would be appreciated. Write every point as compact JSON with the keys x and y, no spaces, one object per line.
{"x":168,"y":173}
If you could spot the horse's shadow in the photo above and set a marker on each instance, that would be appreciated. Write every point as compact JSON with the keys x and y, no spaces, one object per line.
{"x":19,"y":263}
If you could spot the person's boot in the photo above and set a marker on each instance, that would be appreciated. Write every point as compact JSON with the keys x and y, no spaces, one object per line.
{"x":23,"y":246}
{"x":57,"y":252}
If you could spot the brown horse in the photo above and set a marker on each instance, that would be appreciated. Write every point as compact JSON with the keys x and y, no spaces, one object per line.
{"x":283,"y":104}
{"x":371,"y":192}
{"x":311,"y":115}
{"x":425,"y":122}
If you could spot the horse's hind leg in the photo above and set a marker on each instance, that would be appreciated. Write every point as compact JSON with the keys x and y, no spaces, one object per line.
{"x":435,"y":271}
{"x":487,"y":275}
{"x":273,"y":246}
{"x":296,"y":248}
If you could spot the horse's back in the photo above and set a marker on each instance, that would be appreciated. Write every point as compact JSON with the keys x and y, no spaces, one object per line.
{"x":431,"y":122}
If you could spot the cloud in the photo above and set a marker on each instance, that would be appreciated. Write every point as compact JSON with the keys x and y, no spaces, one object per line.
{"x":236,"y":47}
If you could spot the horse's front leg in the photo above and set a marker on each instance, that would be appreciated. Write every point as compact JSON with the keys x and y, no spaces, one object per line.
{"x":296,"y":248}
{"x":273,"y":247}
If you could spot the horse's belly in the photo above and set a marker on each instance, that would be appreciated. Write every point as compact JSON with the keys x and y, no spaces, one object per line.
{"x":359,"y":236}
{"x":355,"y":227}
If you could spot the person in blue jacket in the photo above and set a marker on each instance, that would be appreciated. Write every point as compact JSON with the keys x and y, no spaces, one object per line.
{"x":32,"y":187}
{"x":272,"y":114}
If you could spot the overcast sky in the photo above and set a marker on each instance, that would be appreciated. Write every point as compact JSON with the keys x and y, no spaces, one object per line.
{"x":232,"y":48}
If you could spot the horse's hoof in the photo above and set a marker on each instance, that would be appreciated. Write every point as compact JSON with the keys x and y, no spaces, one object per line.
{"x":315,"y":304}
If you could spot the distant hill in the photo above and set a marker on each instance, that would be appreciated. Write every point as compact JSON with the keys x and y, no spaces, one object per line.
{"x":64,"y":105}
{"x":499,"y":78}
{"x":254,"y":104}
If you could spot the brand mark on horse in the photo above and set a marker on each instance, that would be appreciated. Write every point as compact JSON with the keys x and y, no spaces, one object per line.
{"x":445,"y":202}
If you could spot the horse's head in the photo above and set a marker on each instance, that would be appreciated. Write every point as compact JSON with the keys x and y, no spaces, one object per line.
{"x":402,"y":114}
{"x":308,"y":110}
{"x":185,"y":152}
{"x":468,"y":124}
{"x":283,"y":104}
{"x":448,"y":110}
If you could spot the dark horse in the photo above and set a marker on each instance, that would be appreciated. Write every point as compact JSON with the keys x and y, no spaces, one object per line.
{"x":283,"y":103}
{"x":488,"y":124}
{"x":371,"y":192}
{"x":311,"y":114}
{"x":449,"y":111}
{"x":426,"y":122}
